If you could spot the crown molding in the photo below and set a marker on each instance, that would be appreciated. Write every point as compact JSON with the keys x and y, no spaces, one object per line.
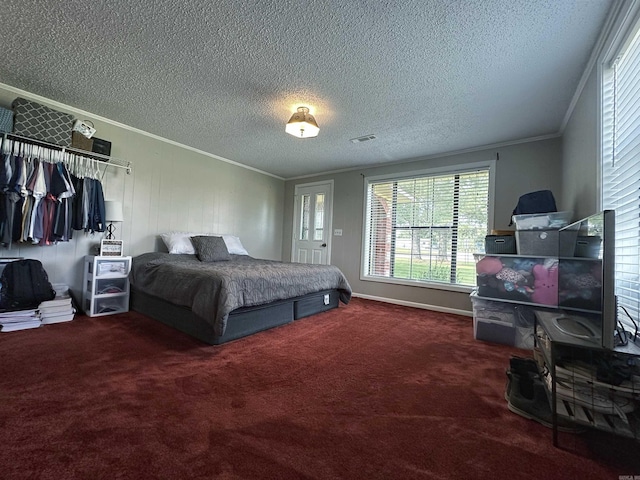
{"x":84,"y":113}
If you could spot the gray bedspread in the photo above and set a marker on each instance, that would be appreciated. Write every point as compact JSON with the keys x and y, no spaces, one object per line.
{"x":213,"y":290}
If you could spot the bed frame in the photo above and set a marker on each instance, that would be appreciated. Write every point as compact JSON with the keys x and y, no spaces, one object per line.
{"x":241,"y":322}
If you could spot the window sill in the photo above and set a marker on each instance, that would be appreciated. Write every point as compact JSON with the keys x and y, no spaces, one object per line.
{"x":415,"y":283}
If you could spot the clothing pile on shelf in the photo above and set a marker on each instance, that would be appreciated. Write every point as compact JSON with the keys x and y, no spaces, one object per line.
{"x":45,"y":194}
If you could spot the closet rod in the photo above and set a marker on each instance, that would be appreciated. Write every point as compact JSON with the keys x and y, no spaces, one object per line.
{"x":107,"y":160}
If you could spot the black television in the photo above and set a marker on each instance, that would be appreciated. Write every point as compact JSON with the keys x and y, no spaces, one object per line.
{"x":586,"y":280}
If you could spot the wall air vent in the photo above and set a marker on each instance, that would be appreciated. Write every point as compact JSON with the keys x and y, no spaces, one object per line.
{"x":363,"y":139}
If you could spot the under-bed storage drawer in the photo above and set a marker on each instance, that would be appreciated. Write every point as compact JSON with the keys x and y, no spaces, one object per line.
{"x":315,"y":303}
{"x":247,"y":321}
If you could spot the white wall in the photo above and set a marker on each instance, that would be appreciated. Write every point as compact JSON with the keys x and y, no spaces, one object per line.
{"x":170,"y":188}
{"x":580,"y":155}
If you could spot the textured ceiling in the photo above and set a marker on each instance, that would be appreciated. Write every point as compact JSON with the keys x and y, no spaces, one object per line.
{"x":425,"y":76}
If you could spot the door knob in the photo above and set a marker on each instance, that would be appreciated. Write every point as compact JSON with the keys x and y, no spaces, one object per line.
{"x":323,"y":245}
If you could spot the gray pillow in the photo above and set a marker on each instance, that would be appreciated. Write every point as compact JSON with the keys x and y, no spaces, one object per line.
{"x":210,"y":249}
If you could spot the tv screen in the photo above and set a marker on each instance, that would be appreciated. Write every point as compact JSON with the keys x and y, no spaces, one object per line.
{"x":586,"y":279}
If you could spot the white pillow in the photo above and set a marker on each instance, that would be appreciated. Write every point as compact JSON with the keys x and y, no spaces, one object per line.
{"x":180,"y":242}
{"x":234,"y":245}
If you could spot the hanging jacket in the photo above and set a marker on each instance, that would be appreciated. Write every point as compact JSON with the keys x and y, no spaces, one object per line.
{"x":96,"y":220}
{"x":77,"y":217}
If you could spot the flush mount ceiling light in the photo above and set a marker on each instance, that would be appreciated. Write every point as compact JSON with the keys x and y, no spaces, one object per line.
{"x":302,"y":124}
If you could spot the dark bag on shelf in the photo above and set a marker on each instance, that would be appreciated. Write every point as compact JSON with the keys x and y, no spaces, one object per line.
{"x":25,"y":284}
{"x":541,"y":201}
{"x":41,"y":123}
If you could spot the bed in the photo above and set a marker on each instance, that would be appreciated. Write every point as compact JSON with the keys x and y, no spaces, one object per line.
{"x":221,"y":301}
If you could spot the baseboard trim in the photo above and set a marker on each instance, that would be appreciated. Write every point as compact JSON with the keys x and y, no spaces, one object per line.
{"x":424,"y":306}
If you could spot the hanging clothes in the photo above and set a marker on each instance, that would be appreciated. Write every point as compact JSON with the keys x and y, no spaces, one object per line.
{"x":96,"y":220}
{"x":41,"y":200}
{"x":62,"y":226}
{"x":12,"y":198}
{"x":77,"y":216}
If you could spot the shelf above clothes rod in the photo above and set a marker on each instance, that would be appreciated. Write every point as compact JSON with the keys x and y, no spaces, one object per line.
{"x":106,"y":160}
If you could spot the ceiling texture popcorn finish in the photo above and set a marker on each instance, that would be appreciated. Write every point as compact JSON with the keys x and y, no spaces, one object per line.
{"x":426,"y":77}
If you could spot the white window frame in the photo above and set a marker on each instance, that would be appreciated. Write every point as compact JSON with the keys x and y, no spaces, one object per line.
{"x":624,"y":25}
{"x":490,"y":165}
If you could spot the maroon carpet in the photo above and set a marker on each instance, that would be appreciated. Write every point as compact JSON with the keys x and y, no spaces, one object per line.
{"x":366,"y":391}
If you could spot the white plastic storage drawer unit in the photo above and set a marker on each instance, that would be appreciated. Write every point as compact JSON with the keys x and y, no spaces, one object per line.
{"x":106,"y":285}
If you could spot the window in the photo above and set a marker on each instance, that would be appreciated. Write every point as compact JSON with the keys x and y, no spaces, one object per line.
{"x":305,"y":215}
{"x":426,"y":227}
{"x":621,"y":165}
{"x":318,"y":233}
{"x":304,"y":218}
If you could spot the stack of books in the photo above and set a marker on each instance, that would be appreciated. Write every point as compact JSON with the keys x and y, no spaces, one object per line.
{"x":19,"y":320}
{"x":60,"y":309}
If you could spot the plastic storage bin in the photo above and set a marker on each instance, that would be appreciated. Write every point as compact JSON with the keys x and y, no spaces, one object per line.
{"x":551,"y":220}
{"x":111,"y":267}
{"x":524,"y":279}
{"x":588,"y":246}
{"x":545,"y":243}
{"x":113,"y":304}
{"x":493,"y":321}
{"x":500,"y":244}
{"x":500,"y":322}
{"x":524,"y":322}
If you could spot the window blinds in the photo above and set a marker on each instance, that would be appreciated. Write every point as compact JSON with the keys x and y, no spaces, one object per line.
{"x":621,"y":169}
{"x":426,"y":228}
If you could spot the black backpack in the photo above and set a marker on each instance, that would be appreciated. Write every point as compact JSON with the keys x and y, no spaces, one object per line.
{"x":541,"y":201}
{"x":25,"y":285}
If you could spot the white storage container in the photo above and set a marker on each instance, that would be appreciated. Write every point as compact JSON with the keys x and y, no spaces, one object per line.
{"x":551,"y":220}
{"x":502,"y":322}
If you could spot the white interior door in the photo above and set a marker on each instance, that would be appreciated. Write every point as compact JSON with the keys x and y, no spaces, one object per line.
{"x":312,"y":223}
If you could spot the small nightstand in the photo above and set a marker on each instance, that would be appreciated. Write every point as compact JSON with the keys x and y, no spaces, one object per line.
{"x":106,"y":285}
